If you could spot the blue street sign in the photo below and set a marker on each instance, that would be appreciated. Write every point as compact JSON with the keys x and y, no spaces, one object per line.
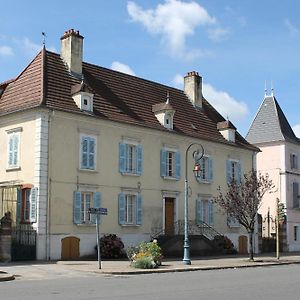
{"x":98,"y":211}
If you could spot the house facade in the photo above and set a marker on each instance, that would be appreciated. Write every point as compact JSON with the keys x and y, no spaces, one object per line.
{"x":279,"y":157}
{"x":75,"y":135}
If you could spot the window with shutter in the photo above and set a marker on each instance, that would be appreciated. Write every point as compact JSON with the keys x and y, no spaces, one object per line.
{"x":88,"y":150}
{"x":13,"y":149}
{"x":204,"y":211}
{"x":170,"y":164}
{"x":233,"y":170}
{"x":130,"y":158}
{"x":82,"y":202}
{"x":206,"y":174}
{"x":130,"y":209}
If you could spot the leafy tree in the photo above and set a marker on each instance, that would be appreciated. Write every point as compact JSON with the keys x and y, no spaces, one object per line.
{"x":243,"y":199}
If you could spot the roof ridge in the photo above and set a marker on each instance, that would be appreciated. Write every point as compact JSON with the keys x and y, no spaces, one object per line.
{"x":43,"y":76}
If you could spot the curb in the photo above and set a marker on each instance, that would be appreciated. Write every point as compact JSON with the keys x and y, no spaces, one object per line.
{"x":178,"y":270}
{"x":6,"y":277}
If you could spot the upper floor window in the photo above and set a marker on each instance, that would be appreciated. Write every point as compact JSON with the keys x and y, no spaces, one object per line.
{"x":233,"y":170}
{"x":26,"y":205}
{"x":130,"y":158}
{"x":13,"y":149}
{"x":88,"y":152}
{"x":294,"y":161}
{"x":170,"y":163}
{"x":204,"y":211}
{"x":206,"y":174}
{"x":87,"y":103}
{"x":83,"y":201}
{"x":130,"y":208}
{"x":296,"y":195}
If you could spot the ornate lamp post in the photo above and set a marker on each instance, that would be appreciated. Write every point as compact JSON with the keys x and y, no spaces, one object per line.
{"x":197,"y":155}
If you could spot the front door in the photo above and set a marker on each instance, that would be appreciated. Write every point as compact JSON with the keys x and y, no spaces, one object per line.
{"x":169,"y":216}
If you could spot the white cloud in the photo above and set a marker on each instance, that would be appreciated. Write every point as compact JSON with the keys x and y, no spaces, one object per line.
{"x":226,"y":105}
{"x":293,"y":30}
{"x":6,"y":51}
{"x":178,"y":81}
{"x":296,"y":130}
{"x":218,"y":34}
{"x":117,"y":66}
{"x":30,"y":47}
{"x":174,"y":21}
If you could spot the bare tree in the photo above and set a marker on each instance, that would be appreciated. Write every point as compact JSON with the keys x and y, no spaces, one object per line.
{"x":243,"y":199}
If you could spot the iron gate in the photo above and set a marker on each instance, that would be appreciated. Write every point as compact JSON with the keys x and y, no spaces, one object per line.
{"x":23,"y":245}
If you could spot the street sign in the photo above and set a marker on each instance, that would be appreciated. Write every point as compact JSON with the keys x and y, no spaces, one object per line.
{"x":98,"y":211}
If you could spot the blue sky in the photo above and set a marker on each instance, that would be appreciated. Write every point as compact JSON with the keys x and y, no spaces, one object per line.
{"x":235,"y":45}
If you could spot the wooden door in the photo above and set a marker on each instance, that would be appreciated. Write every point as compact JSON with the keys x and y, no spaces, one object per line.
{"x":243,"y":244}
{"x":70,"y":248}
{"x":169,"y":216}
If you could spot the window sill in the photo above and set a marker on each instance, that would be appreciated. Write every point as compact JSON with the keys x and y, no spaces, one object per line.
{"x":86,"y":225}
{"x":204,"y":181}
{"x":11,"y":169}
{"x":87,"y":170}
{"x":170,"y":178}
{"x":130,"y":225}
{"x":130,"y":174}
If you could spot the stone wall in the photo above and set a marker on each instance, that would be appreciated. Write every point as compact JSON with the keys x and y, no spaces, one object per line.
{"x":5,"y":238}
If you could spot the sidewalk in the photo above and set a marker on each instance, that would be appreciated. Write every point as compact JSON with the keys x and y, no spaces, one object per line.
{"x":122,"y":267}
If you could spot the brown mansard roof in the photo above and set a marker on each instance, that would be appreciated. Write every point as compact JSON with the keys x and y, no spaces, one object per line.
{"x":46,"y":82}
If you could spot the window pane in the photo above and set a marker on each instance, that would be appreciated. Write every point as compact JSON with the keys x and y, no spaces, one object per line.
{"x":170,"y":164}
{"x":130,"y":209}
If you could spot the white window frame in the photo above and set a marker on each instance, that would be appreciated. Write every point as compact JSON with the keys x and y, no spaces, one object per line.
{"x":130,"y":158}
{"x":234,"y":169}
{"x":170,"y":163}
{"x":130,"y":208}
{"x":85,"y":217}
{"x":10,"y":135}
{"x":82,"y":136}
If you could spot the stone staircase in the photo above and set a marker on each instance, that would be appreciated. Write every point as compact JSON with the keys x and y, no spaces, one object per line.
{"x":202,"y":238}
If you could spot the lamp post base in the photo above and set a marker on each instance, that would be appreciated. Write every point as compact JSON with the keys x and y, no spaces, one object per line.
{"x":186,"y":254}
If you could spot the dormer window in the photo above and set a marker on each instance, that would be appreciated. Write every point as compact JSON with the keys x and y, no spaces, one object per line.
{"x":83,"y":97}
{"x":164,"y":113}
{"x":87,"y":103}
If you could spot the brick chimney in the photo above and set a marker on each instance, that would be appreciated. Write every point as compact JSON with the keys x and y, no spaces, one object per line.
{"x":71,"y":50}
{"x":193,"y":88}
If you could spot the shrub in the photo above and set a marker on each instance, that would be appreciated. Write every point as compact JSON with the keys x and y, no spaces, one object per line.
{"x":145,"y":255}
{"x":111,"y":246}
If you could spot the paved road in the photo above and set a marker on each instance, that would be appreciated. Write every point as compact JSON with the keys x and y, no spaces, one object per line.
{"x":278,"y":282}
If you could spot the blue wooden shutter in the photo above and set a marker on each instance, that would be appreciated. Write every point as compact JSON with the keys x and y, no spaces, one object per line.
{"x":122,"y":207}
{"x":77,"y":207}
{"x":210,"y":171}
{"x":139,"y":159}
{"x":163,"y":163}
{"x":295,"y":194}
{"x":33,"y":204}
{"x":210,"y":212}
{"x":239,"y":172}
{"x":228,"y":171}
{"x":10,"y":150}
{"x":177,"y":165}
{"x":139,"y":209}
{"x":91,"y":153}
{"x":15,"y":149}
{"x":122,"y":157}
{"x":84,"y":152}
{"x":97,"y":204}
{"x":199,"y":211}
{"x":19,"y":205}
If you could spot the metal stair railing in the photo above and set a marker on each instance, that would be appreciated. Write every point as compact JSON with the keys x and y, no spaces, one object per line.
{"x":199,"y":228}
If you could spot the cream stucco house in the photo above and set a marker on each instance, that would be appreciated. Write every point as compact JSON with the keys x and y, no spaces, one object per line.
{"x":279,"y":157}
{"x":75,"y":135}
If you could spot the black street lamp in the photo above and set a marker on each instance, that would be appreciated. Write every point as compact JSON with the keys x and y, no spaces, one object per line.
{"x":197,"y":155}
